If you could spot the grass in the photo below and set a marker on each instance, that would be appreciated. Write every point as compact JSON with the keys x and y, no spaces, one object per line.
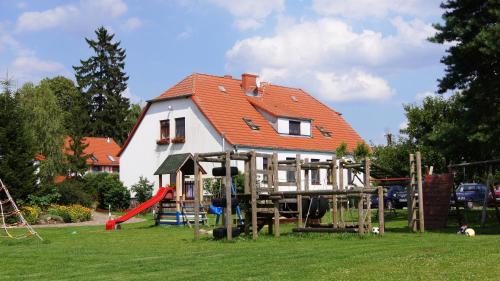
{"x":140,"y":251}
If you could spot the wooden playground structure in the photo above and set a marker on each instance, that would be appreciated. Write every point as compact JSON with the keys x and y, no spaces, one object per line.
{"x":262,"y":201}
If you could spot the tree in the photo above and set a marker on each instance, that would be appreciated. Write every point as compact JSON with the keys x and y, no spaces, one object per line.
{"x":76,"y":159}
{"x":101,"y":78}
{"x":133,"y":116}
{"x":472,"y":67}
{"x":341,"y":150}
{"x":143,"y":190}
{"x":71,"y":102}
{"x":433,"y":129}
{"x":17,"y":150}
{"x":46,"y":125}
{"x":361,"y":151}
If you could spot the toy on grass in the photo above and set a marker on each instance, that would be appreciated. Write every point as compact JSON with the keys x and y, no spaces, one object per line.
{"x":470,"y":232}
{"x":376,"y":230}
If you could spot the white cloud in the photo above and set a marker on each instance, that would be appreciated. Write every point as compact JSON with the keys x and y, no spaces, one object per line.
{"x":82,"y":14}
{"x":334,"y":60}
{"x":355,"y":85}
{"x":132,"y":24}
{"x":31,"y":68}
{"x":361,"y":9}
{"x":251,"y":14}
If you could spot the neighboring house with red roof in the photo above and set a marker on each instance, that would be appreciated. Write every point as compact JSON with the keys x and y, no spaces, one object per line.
{"x":103,"y":151}
{"x":206,"y":113}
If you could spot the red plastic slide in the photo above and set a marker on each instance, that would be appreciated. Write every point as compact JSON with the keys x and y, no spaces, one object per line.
{"x":162,"y":192}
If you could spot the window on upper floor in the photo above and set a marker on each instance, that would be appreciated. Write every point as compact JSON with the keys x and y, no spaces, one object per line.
{"x":315,"y":178}
{"x":294,"y":128}
{"x":164,"y":129}
{"x":180,"y":127}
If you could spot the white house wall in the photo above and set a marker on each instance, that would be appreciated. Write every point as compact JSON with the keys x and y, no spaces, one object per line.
{"x":143,"y":156}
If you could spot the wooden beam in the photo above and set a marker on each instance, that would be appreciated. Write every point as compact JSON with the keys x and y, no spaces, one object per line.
{"x":367,"y":185}
{"x":421,"y":222}
{"x":253,"y":191}
{"x":275,"y":181}
{"x":361,"y":220}
{"x":298,"y":183}
{"x":412,"y":217}
{"x":196,"y":198}
{"x":306,"y":175}
{"x":246,"y":181}
{"x":341,"y":188}
{"x":178,"y":191}
{"x":229,"y":215}
{"x":333,"y":176}
{"x":381,"y":222}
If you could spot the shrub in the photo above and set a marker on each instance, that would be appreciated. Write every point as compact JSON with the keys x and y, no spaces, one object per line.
{"x":109,"y":189}
{"x":31,"y":213}
{"x":143,"y":189}
{"x":72,"y":213}
{"x":44,"y":198}
{"x":73,"y":191}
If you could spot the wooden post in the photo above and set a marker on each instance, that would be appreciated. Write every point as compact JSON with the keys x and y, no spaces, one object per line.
{"x":411,"y":195}
{"x":196,"y":198}
{"x":361,"y":220}
{"x":178,"y":191}
{"x":333,"y":176}
{"x":298,"y":183}
{"x":306,"y":176}
{"x":246,"y":184}
{"x":229,"y":215}
{"x":421,"y":222}
{"x":342,"y":200}
{"x":381,"y":222}
{"x":253,"y":191}
{"x":367,"y":185}
{"x":276,"y":184}
{"x":160,"y":182}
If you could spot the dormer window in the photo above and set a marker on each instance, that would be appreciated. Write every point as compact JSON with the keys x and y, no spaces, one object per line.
{"x":324,"y":132}
{"x":251,"y":124}
{"x":294,"y":127}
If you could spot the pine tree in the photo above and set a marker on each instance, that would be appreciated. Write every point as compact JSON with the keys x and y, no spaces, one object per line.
{"x":17,"y":151}
{"x":472,"y":67}
{"x":76,"y":157}
{"x":102,"y":80}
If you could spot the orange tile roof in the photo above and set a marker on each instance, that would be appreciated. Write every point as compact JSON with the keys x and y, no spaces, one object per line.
{"x":101,"y":149}
{"x":225,"y":110}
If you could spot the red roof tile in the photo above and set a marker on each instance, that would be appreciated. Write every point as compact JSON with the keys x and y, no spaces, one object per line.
{"x":103,"y":150}
{"x":225,"y":110}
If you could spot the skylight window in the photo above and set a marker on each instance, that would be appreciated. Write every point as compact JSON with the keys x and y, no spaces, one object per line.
{"x":324,"y":132}
{"x":111,"y":158}
{"x":294,"y":98}
{"x":93,"y":158}
{"x":222,"y":89}
{"x":251,"y":124}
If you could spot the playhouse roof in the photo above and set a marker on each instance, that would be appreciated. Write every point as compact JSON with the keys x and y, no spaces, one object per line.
{"x":176,"y":162}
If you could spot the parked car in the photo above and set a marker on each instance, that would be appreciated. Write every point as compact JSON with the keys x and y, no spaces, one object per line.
{"x":394,"y":197}
{"x":470,"y":194}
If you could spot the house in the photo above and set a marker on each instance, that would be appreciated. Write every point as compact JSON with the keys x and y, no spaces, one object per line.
{"x":103,"y":153}
{"x":207,"y":113}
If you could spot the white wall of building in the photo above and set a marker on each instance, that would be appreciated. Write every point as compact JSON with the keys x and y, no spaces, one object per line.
{"x":143,"y":156}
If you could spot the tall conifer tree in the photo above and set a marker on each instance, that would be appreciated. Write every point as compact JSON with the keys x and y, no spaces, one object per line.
{"x":17,"y":150}
{"x":102,"y":79}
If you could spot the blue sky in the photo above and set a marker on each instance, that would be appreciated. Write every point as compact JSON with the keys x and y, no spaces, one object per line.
{"x":364,"y":58}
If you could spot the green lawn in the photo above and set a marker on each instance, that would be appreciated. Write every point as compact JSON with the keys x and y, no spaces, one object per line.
{"x":140,"y":251}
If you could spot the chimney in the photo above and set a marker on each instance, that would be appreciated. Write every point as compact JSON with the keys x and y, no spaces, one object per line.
{"x":249,"y":82}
